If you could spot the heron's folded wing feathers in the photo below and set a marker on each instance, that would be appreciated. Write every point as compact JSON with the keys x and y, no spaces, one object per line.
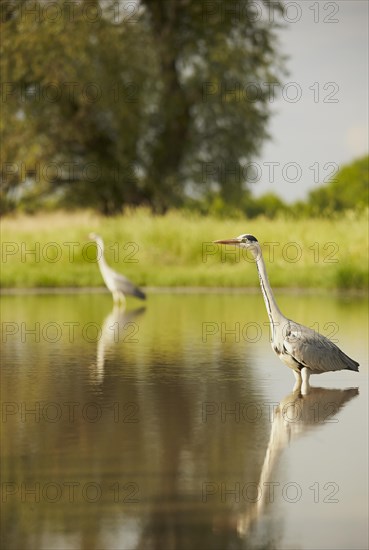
{"x":124,"y":285}
{"x":312,"y":350}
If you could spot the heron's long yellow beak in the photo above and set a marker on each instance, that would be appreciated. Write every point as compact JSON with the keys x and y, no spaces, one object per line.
{"x":228,"y":241}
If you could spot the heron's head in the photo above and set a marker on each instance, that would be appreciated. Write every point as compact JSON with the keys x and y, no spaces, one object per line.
{"x":243,"y":241}
{"x":94,"y":236}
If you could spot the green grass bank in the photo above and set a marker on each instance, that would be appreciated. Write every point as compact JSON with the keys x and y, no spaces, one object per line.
{"x":53,"y":250}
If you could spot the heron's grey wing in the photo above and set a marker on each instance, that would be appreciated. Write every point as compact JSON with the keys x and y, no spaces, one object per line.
{"x":124,"y":285}
{"x":314,"y":351}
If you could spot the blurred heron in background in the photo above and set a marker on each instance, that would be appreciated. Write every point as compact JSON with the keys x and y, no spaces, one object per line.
{"x":118,"y":285}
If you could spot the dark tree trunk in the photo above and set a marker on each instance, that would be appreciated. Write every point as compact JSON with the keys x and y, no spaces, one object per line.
{"x":174,"y":117}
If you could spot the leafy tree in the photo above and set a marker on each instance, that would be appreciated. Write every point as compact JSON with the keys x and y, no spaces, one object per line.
{"x":269,"y":205}
{"x":216,"y":61}
{"x":73,"y":99}
{"x":130,"y":108}
{"x":348,"y":189}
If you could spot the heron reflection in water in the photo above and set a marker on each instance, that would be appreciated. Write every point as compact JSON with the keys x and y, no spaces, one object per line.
{"x":118,"y":327}
{"x":295,"y":416}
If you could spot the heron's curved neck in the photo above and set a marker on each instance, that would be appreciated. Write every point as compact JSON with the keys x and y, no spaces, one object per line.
{"x":273,"y":310}
{"x":100,"y":252}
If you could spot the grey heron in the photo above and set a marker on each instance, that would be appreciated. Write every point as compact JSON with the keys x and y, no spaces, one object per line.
{"x":118,"y":285}
{"x":302,"y":349}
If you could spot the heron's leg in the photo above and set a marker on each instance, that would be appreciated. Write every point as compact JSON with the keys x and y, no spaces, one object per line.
{"x":298,"y":382}
{"x":305,"y":374}
{"x":122,"y":300}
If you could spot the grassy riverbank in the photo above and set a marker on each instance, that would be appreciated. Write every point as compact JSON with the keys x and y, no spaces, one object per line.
{"x":53,"y":250}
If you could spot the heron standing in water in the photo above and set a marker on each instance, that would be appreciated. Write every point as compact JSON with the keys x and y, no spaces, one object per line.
{"x":118,"y":285}
{"x":302,"y":349}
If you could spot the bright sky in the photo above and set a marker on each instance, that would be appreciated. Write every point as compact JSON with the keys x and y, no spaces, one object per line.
{"x":327,"y":126}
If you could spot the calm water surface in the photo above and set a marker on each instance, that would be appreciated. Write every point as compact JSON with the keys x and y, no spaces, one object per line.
{"x":175,"y":426}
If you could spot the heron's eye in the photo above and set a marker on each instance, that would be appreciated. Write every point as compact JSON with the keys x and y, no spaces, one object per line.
{"x":244,"y":239}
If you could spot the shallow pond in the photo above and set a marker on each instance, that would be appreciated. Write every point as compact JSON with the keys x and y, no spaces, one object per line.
{"x":174,"y":426}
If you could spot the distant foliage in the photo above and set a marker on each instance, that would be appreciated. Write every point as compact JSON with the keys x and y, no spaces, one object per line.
{"x":347,"y":190}
{"x":133,"y":103}
{"x":269,"y":205}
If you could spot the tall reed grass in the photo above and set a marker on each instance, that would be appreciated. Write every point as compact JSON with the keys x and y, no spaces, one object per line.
{"x":53,"y":250}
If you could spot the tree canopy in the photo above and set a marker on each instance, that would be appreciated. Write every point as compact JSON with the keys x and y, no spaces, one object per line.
{"x":348,"y":189}
{"x":109,"y":103}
